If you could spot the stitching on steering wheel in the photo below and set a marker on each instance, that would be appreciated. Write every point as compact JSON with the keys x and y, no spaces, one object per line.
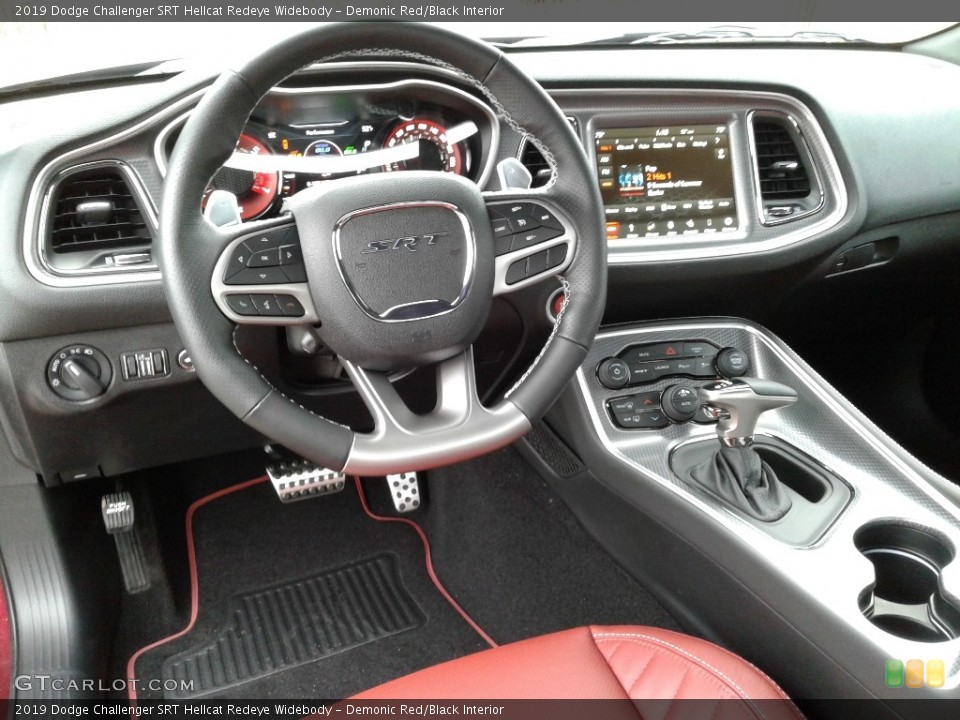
{"x":487,"y":93}
{"x":274,"y":387}
{"x":553,"y":334}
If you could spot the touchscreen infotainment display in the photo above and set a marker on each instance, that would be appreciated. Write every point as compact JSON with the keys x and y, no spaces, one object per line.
{"x":667,"y":180}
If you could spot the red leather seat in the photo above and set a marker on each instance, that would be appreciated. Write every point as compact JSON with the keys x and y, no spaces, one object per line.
{"x":600,"y":663}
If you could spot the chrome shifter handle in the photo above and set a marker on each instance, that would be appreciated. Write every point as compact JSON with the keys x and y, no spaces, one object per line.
{"x":739,"y":403}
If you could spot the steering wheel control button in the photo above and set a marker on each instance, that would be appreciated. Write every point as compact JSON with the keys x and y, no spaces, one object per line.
{"x":242,"y":305}
{"x":526,"y":239}
{"x":264,"y":258}
{"x":290,"y":306}
{"x":501,"y":227}
{"x":238,"y":261}
{"x":79,"y":372}
{"x":613,"y":373}
{"x":556,"y":256}
{"x":680,"y":403}
{"x":258,"y":276}
{"x":732,"y":362}
{"x":517,"y":271}
{"x":546,"y":218}
{"x":267,"y":305}
{"x":291,"y":255}
{"x":294,"y":273}
{"x":271,"y":239}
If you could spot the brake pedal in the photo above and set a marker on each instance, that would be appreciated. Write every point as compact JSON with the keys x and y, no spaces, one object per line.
{"x":119,"y":518}
{"x":300,"y":479}
{"x":405,"y":491}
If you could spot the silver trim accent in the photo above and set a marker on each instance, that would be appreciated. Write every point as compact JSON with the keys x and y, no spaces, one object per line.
{"x":801,"y":142}
{"x":888,"y":484}
{"x":404,"y":491}
{"x":300,"y":480}
{"x":220,"y":290}
{"x":460,"y":427}
{"x":32,"y":235}
{"x":140,"y":196}
{"x":468,"y":273}
{"x":503,"y":262}
{"x":742,"y":101}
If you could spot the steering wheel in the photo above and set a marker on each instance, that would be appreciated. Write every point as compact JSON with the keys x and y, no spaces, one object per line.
{"x":398,"y":269}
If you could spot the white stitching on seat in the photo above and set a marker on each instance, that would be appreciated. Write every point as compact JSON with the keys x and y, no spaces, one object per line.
{"x":553,"y":333}
{"x":634,"y":637}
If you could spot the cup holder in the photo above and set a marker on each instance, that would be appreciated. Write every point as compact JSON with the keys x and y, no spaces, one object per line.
{"x":906,"y":598}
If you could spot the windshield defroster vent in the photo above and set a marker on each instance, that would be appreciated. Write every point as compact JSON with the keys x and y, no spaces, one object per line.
{"x":95,"y":209}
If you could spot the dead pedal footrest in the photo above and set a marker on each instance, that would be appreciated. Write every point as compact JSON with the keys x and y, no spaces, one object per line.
{"x":300,"y":479}
{"x":405,"y":491}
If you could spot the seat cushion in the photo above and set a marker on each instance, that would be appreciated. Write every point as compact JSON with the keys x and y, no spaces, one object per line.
{"x":619,"y":662}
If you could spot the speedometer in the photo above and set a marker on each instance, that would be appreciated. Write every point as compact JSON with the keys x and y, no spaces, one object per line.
{"x":437,"y":152}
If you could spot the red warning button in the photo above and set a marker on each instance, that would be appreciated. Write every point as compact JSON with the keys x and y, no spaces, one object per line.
{"x":670,"y":351}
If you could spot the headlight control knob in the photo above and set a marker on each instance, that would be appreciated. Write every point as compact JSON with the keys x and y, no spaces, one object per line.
{"x":79,"y":372}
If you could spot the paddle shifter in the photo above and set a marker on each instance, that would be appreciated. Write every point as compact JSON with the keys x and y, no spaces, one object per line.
{"x":736,"y":472}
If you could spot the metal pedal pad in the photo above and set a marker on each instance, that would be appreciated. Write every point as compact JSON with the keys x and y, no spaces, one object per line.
{"x":119,"y":519}
{"x":405,"y":491}
{"x":300,"y":479}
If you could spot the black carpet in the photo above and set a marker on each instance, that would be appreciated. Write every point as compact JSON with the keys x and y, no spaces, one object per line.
{"x":516,"y":559}
{"x":248,"y":542}
{"x":504,"y":544}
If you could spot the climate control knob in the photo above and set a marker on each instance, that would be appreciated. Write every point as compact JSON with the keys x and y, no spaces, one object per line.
{"x":680,"y":403}
{"x":613,"y":373}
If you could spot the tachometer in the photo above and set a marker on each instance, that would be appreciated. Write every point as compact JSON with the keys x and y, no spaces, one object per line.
{"x":255,"y":191}
{"x":437,"y":150}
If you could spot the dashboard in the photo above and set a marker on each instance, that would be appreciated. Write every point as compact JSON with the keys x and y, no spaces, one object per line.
{"x":728,"y":187}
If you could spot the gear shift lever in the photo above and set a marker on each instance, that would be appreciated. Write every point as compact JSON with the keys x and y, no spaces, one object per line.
{"x":739,"y":403}
{"x":736,"y":473}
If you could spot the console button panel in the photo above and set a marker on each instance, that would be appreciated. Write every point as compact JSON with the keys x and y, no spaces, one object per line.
{"x":654,"y":361}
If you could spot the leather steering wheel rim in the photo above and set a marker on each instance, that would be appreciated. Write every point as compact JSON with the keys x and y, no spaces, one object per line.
{"x":189,"y":248}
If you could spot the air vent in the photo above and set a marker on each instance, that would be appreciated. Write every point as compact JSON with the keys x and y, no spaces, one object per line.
{"x":535,"y":162}
{"x":95,"y":210}
{"x":780,"y":167}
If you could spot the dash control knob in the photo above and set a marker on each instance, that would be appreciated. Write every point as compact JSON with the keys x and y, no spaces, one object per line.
{"x":680,"y":402}
{"x":79,"y":372}
{"x":732,"y":362}
{"x":613,"y":373}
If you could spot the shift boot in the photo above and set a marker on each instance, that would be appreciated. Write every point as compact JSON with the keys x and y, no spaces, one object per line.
{"x":740,"y":477}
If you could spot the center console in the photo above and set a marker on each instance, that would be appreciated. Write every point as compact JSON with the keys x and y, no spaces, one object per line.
{"x":856,"y":575}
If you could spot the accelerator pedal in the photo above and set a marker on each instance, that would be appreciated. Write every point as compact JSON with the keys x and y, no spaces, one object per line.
{"x":118,"y":517}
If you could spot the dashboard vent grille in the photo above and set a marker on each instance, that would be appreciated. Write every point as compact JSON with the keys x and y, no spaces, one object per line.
{"x":95,"y":210}
{"x":779,"y":164}
{"x":534,"y":161}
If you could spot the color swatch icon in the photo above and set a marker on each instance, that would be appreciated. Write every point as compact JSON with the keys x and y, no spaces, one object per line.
{"x":914,"y":673}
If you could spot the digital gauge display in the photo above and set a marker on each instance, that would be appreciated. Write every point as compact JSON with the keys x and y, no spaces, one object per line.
{"x":666,"y":181}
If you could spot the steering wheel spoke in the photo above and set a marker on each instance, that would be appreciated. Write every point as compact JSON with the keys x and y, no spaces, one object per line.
{"x":260,"y":278}
{"x":533,"y":238}
{"x":405,"y":440}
